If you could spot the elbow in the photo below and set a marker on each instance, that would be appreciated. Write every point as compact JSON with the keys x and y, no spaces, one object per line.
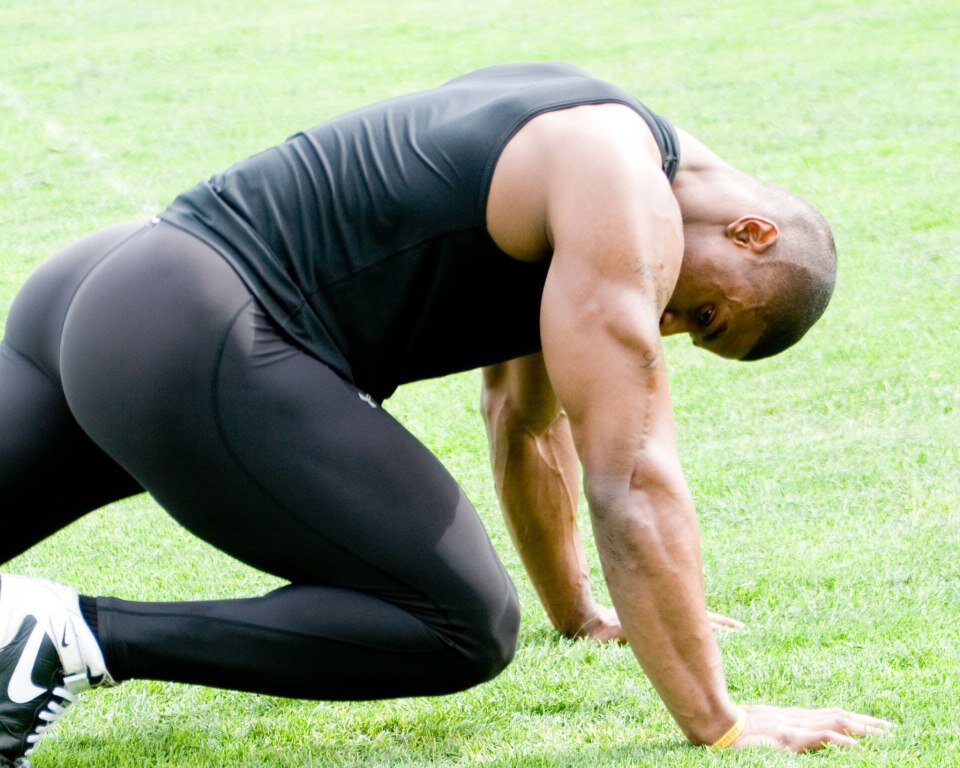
{"x":512,"y":406}
{"x":643,"y":478}
{"x":496,"y":404}
{"x":502,"y":414}
{"x":607,"y":494}
{"x":638,"y":503}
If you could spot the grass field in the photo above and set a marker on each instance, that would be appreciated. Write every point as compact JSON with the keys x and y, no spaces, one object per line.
{"x":826,"y":480}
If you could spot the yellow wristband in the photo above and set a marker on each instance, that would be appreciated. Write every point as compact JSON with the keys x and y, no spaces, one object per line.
{"x":731,"y":736}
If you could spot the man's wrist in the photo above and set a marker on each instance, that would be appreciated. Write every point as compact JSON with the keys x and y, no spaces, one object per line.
{"x":714,"y":725}
{"x":732,"y":733}
{"x":577,"y":617}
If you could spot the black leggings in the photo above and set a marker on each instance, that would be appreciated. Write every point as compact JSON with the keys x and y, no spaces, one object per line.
{"x":137,"y":359}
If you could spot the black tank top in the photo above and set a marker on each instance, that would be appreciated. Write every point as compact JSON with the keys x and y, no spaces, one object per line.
{"x":365,"y":237}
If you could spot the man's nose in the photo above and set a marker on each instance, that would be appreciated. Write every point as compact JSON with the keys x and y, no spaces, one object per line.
{"x":672,"y":322}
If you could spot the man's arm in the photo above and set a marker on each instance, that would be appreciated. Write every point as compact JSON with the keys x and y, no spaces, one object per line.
{"x":536,"y":473}
{"x":537,"y":477}
{"x":617,"y":246}
{"x":616,"y":236}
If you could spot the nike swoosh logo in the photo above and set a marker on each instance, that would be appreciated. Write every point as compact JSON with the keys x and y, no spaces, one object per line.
{"x":21,"y":688}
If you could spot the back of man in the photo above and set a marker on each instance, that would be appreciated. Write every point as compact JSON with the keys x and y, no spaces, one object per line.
{"x":388,"y":274}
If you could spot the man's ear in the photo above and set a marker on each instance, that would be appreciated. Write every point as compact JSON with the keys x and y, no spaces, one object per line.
{"x":753,"y":232}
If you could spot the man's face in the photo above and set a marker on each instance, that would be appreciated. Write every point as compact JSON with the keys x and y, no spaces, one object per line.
{"x":715,"y":301}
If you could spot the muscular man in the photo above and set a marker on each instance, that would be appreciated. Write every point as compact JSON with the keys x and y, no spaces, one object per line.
{"x":230,"y":357}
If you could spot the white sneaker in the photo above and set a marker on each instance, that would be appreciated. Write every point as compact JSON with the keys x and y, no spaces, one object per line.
{"x":48,"y":656}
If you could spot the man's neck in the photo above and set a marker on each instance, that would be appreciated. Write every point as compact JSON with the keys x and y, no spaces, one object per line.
{"x":706,"y":187}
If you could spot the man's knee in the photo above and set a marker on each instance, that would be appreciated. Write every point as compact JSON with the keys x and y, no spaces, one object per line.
{"x":491,"y":644}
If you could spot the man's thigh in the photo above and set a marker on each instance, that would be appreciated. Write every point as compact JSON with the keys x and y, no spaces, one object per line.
{"x":362,"y":503}
{"x":264,"y":451}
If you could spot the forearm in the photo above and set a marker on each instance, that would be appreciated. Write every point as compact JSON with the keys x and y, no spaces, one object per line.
{"x":537,"y":480}
{"x":650,"y":551}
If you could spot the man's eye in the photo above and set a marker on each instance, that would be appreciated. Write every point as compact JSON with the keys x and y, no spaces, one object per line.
{"x":705,"y":316}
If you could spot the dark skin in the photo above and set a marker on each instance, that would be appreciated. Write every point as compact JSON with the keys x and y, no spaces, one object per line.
{"x":536,"y":467}
{"x":632,"y":259}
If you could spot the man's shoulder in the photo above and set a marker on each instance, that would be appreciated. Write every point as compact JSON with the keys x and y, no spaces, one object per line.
{"x":603,"y":150}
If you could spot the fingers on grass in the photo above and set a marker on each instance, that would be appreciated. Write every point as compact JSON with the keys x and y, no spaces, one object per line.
{"x":857,"y":724}
{"x":798,"y":741}
{"x":722,"y":623}
{"x":827,"y":737}
{"x":878,"y":724}
{"x":835,"y":718}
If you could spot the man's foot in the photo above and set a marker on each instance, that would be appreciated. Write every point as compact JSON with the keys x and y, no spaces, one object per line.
{"x":48,"y":656}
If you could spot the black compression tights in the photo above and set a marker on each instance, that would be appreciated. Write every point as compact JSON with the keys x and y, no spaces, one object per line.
{"x":137,"y":359}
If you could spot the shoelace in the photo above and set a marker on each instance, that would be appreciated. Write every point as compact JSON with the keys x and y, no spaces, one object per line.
{"x":53,"y":712}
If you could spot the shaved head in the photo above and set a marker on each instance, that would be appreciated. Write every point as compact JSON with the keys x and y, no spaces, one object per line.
{"x":797,"y":275}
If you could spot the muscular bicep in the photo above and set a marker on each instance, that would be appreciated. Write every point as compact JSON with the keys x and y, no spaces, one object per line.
{"x":617,"y":247}
{"x":606,"y":364}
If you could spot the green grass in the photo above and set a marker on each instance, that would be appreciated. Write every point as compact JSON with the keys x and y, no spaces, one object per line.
{"x":826,"y":480}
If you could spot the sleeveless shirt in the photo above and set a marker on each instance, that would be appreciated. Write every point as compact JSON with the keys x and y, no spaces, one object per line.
{"x":365,"y":237}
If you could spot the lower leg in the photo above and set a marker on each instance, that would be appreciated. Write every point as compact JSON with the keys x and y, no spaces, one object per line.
{"x":299,"y":642}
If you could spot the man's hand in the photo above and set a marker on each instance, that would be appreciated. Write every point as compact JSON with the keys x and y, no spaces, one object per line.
{"x":802,"y":730}
{"x":721,"y":623}
{"x":604,"y":625}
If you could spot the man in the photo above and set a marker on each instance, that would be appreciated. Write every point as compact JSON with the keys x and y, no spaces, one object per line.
{"x":230,"y":358}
